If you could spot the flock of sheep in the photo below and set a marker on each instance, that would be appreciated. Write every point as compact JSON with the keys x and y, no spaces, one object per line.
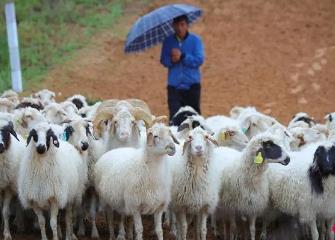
{"x":117,"y":158}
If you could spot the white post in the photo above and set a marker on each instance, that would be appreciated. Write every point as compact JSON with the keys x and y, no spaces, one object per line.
{"x":13,"y":45}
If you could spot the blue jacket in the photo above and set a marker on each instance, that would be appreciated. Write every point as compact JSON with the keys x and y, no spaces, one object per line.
{"x":186,"y":72}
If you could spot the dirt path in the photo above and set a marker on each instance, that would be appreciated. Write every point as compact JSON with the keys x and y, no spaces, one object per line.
{"x":276,"y":55}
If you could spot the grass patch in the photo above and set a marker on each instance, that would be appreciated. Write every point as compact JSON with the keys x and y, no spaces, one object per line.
{"x":50,"y":31}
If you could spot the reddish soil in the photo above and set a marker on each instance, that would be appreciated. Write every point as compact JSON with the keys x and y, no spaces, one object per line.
{"x":276,"y":55}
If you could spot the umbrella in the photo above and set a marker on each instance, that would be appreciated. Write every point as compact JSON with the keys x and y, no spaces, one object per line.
{"x":153,"y":27}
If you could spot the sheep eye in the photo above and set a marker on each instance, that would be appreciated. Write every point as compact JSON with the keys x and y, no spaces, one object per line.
{"x":156,"y":137}
{"x":231,"y":133}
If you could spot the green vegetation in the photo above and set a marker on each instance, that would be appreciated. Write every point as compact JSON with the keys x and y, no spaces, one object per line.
{"x":51,"y":30}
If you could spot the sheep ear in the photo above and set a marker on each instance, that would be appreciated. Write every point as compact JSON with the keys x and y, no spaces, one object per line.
{"x":12,"y":131}
{"x":32,"y":134}
{"x":315,"y":178}
{"x":183,"y":127}
{"x":212,"y":140}
{"x":174,"y":138}
{"x":186,"y":145}
{"x":150,"y":138}
{"x":51,"y":135}
{"x":68,"y":132}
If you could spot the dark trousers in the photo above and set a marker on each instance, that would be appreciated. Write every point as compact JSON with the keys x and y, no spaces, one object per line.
{"x":180,"y":98}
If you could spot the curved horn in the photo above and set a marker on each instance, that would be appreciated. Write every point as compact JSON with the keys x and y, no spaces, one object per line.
{"x":111,"y":103}
{"x":161,"y":119}
{"x":98,"y":118}
{"x":139,"y":103}
{"x":140,"y":114}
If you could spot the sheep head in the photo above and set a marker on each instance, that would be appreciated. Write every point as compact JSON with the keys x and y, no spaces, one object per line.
{"x":42,"y":135}
{"x":199,"y":142}
{"x":266,"y":148}
{"x":160,"y":140}
{"x":323,"y":166}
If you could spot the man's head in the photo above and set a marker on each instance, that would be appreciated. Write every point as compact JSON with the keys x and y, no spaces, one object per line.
{"x":180,"y":25}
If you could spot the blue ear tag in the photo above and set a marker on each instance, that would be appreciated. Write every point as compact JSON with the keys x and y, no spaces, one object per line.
{"x":63,"y":137}
{"x":244,"y":130}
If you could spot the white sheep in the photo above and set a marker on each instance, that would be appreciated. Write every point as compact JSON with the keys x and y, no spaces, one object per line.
{"x":24,"y":119}
{"x":55,"y":113}
{"x":78,"y":133}
{"x":137,"y":181}
{"x":52,"y":176}
{"x":244,"y":186}
{"x":195,"y":186}
{"x":45,"y":96}
{"x":302,"y":137}
{"x":6,"y":105}
{"x":301,"y":119}
{"x":11,"y":152}
{"x":182,"y":114}
{"x":305,"y":188}
{"x":78,"y":100}
{"x":89,"y":111}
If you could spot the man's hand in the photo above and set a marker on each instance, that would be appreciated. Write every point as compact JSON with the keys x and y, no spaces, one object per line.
{"x":175,"y":55}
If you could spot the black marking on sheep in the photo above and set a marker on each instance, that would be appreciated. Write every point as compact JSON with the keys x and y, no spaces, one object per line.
{"x":79,"y":104}
{"x":5,"y":134}
{"x":68,"y":132}
{"x":32,"y":135}
{"x":28,"y":104}
{"x":307,"y":120}
{"x":181,"y":117}
{"x":51,"y":134}
{"x":323,"y":166}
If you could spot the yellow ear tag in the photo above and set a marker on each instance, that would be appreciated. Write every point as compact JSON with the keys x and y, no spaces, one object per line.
{"x":223,"y":136}
{"x":259,"y":158}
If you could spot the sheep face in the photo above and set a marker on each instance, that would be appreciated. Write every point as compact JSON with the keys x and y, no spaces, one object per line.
{"x":42,"y":135}
{"x":55,"y":114}
{"x":160,"y":140}
{"x":323,"y":166}
{"x":330,"y":120}
{"x":267,"y":149}
{"x":7,"y":129}
{"x":199,"y":142}
{"x":69,"y":108}
{"x":231,"y":136}
{"x":45,"y":96}
{"x":77,"y":133}
{"x":26,"y":117}
{"x":123,"y":126}
{"x":302,"y":136}
{"x":255,"y":124}
{"x":302,"y":119}
{"x":192,"y":122}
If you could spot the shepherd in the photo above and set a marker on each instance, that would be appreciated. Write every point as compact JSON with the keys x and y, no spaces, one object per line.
{"x":183,"y":54}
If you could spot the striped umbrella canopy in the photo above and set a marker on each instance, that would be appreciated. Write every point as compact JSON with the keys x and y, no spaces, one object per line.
{"x":154,"y":27}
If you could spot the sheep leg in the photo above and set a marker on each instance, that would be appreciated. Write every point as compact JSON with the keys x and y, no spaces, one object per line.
{"x":158,"y":225}
{"x":19,"y":217}
{"x":213,"y":224}
{"x":264,"y":229}
{"x":110,"y":219}
{"x":5,"y":214}
{"x":322,"y":228}
{"x":81,"y":224}
{"x":130,"y":228}
{"x":53,"y":220}
{"x":314,"y":230}
{"x":167,"y":218}
{"x":252,"y":227}
{"x":69,"y":224}
{"x":138,"y":225}
{"x":182,"y":226}
{"x":330,"y":223}
{"x":173,"y":224}
{"x":203,"y":222}
{"x":41,"y":221}
{"x":232,"y":228}
{"x":197,"y":226}
{"x":93,"y":214}
{"x":122,"y":232}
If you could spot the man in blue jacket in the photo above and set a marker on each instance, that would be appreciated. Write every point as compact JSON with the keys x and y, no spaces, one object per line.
{"x":183,"y":54}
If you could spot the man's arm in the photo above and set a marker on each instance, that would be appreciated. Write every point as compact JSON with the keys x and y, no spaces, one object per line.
{"x":166,"y":55}
{"x":196,"y":58}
